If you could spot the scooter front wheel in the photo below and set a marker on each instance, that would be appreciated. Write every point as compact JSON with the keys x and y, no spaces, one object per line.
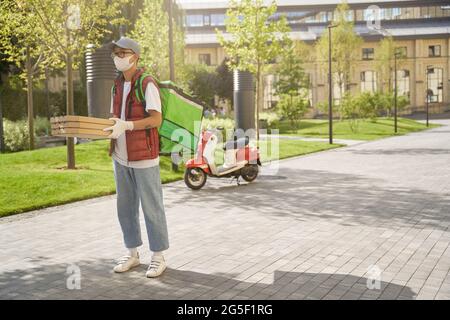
{"x":194,"y":178}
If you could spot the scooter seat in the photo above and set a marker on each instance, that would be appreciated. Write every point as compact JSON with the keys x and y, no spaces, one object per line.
{"x":236,"y":144}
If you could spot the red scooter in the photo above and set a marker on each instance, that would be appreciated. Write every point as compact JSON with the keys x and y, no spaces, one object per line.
{"x":241,"y":160}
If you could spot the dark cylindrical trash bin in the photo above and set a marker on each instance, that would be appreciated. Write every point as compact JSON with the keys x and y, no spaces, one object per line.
{"x":244,"y":100}
{"x":100,"y":75}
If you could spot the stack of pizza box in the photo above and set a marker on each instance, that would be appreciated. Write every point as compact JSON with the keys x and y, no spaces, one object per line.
{"x":80,"y":127}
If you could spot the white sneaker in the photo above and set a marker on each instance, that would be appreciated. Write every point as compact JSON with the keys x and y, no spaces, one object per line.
{"x":125,"y":263}
{"x":156,"y":267}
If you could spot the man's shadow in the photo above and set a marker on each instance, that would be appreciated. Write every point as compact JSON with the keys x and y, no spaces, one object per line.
{"x":93,"y":279}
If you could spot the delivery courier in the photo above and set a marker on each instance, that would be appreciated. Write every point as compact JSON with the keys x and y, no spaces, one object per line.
{"x":134,"y":149}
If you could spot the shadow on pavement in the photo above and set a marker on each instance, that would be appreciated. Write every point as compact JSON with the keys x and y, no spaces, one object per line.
{"x":97,"y":281}
{"x":307,"y":195}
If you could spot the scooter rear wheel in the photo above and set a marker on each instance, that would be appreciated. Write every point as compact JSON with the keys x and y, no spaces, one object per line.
{"x":250,"y":173}
{"x":194,"y":178}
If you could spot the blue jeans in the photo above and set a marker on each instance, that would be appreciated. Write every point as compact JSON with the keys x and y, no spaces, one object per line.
{"x":132,"y":185}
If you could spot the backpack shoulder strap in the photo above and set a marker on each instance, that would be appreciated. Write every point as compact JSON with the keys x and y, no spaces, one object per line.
{"x":141,"y":87}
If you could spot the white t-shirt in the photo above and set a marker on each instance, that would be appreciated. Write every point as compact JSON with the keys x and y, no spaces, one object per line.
{"x":153,"y":102}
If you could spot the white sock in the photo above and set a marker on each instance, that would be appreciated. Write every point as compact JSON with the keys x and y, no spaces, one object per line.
{"x":158,"y":254}
{"x":133,"y":252}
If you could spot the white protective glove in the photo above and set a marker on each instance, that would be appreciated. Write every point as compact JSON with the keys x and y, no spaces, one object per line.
{"x":119,"y":127}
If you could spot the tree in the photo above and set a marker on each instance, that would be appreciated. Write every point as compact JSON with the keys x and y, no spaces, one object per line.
{"x":385,"y":59}
{"x":293,"y":107}
{"x":256,"y":40}
{"x":224,"y":83}
{"x":202,"y":82}
{"x":19,"y":40}
{"x":345,"y":44}
{"x":151,"y":30}
{"x":291,"y":75}
{"x":293,"y":84}
{"x":64,"y":28}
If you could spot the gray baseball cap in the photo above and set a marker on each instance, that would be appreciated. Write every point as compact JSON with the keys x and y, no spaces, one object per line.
{"x":127,"y":43}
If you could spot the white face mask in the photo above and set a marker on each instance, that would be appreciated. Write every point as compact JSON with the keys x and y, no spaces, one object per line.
{"x":123,"y":64}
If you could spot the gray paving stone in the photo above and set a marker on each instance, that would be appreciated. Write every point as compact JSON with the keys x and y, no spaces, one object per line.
{"x":309,"y":231}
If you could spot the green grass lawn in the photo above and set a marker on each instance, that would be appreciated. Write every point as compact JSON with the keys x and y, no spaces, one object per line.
{"x":368,"y":130}
{"x":36,"y":179}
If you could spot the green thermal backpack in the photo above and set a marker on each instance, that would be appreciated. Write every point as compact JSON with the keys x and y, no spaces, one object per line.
{"x":179,"y":111}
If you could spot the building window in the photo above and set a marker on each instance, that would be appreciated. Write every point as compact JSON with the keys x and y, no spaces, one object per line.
{"x":307,"y":90}
{"x":206,"y":20}
{"x":338,"y":90}
{"x":435,"y":85}
{"x":194,"y":20}
{"x":310,"y":19}
{"x":323,"y":17}
{"x":368,"y":81}
{"x":402,"y":82}
{"x":217,"y":19}
{"x":396,"y":12}
{"x":204,"y":58}
{"x":349,"y":15}
{"x":434,"y":51}
{"x":373,"y":14}
{"x":368,"y":53}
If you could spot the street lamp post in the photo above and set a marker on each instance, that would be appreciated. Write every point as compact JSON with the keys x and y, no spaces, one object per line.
{"x":395,"y":91}
{"x":428,"y":93}
{"x":174,"y":156}
{"x":330,"y":87}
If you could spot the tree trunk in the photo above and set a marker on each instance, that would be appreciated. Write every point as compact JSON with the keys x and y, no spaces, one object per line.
{"x":2,"y":140}
{"x":30,"y":99}
{"x":47,"y":95}
{"x":171,"y":67}
{"x":69,"y":105}
{"x":341,"y":93}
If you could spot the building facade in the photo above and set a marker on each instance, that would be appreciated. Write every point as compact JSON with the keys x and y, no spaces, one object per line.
{"x":420,"y":29}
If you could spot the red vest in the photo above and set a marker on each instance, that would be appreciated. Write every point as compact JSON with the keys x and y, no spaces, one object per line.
{"x":141,"y":144}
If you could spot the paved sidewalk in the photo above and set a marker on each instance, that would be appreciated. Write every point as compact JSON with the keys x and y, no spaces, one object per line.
{"x":311,"y":231}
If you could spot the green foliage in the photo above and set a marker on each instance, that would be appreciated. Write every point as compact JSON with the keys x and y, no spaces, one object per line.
{"x":224,"y":83}
{"x":292,"y":107}
{"x":291,"y":76}
{"x":385,"y":61}
{"x":14,"y":102}
{"x":42,"y":126}
{"x":255,"y":39}
{"x":20,"y":30}
{"x":292,"y":85}
{"x":151,"y":30}
{"x":345,"y":44}
{"x":202,"y":82}
{"x":41,"y":26}
{"x":367,"y":129}
{"x":368,"y":105}
{"x":251,"y":30}
{"x":16,"y":135}
{"x":226,"y":123}
{"x":352,"y":109}
{"x":271,"y":119}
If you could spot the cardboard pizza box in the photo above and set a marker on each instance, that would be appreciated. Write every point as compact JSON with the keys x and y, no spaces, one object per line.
{"x":72,"y":118}
{"x":81,"y":133}
{"x":83,"y":125}
{"x":80,"y":126}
